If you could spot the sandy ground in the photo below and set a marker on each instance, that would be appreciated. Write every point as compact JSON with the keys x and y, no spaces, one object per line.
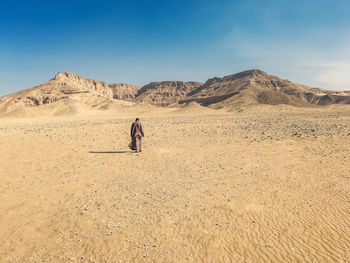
{"x":240,"y":187}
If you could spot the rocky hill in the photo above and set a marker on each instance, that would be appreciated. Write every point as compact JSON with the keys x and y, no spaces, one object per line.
{"x":68,"y":89}
{"x":257,"y":87}
{"x":62,"y":86}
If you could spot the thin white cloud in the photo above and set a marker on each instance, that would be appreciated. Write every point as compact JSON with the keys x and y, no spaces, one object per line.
{"x":325,"y":65}
{"x":336,"y":76}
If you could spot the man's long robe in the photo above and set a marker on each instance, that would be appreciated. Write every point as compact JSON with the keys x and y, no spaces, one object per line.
{"x":136,"y":134}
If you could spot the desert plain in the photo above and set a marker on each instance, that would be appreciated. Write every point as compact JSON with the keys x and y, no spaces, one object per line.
{"x":269,"y":184}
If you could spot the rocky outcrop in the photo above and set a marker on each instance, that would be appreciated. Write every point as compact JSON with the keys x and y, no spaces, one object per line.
{"x":70,"y":83}
{"x":122,"y":91}
{"x":166,"y":92}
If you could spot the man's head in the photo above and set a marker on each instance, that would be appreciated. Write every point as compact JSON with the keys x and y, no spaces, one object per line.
{"x":137,"y":119}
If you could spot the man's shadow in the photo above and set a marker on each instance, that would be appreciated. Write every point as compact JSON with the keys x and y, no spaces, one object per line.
{"x":111,"y":152}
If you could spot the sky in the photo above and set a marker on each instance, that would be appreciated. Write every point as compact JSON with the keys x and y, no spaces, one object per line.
{"x":139,"y":41}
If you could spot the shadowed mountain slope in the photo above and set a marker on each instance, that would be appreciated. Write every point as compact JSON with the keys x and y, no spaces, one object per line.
{"x":257,"y":87}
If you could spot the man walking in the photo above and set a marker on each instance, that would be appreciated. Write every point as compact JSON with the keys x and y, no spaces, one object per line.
{"x":136,"y":134}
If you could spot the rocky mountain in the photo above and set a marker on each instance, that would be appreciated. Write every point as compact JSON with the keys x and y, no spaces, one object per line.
{"x":251,"y":87}
{"x":257,"y":87}
{"x":66,"y":88}
{"x":62,"y":86}
{"x":166,"y":92}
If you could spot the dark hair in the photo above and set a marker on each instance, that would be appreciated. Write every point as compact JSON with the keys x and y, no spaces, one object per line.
{"x":137,"y":119}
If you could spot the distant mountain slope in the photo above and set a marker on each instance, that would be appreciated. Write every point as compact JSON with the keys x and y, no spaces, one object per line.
{"x":66,"y":86}
{"x":166,"y":92}
{"x":67,"y":91}
{"x":257,"y":87}
{"x":61,"y":86}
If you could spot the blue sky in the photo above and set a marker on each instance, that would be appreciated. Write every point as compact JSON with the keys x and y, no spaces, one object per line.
{"x":306,"y":41}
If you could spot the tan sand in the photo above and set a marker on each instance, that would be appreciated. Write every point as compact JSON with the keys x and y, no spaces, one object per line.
{"x":256,"y":186}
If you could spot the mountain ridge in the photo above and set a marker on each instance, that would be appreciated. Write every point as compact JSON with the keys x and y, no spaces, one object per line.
{"x":240,"y":89}
{"x":257,"y":87}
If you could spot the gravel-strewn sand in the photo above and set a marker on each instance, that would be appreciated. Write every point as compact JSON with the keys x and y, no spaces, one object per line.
{"x":242,"y":187}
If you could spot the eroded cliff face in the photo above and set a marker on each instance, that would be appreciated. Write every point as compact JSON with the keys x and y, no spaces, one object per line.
{"x":166,"y":92}
{"x":69,"y":83}
{"x":123,"y":91}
